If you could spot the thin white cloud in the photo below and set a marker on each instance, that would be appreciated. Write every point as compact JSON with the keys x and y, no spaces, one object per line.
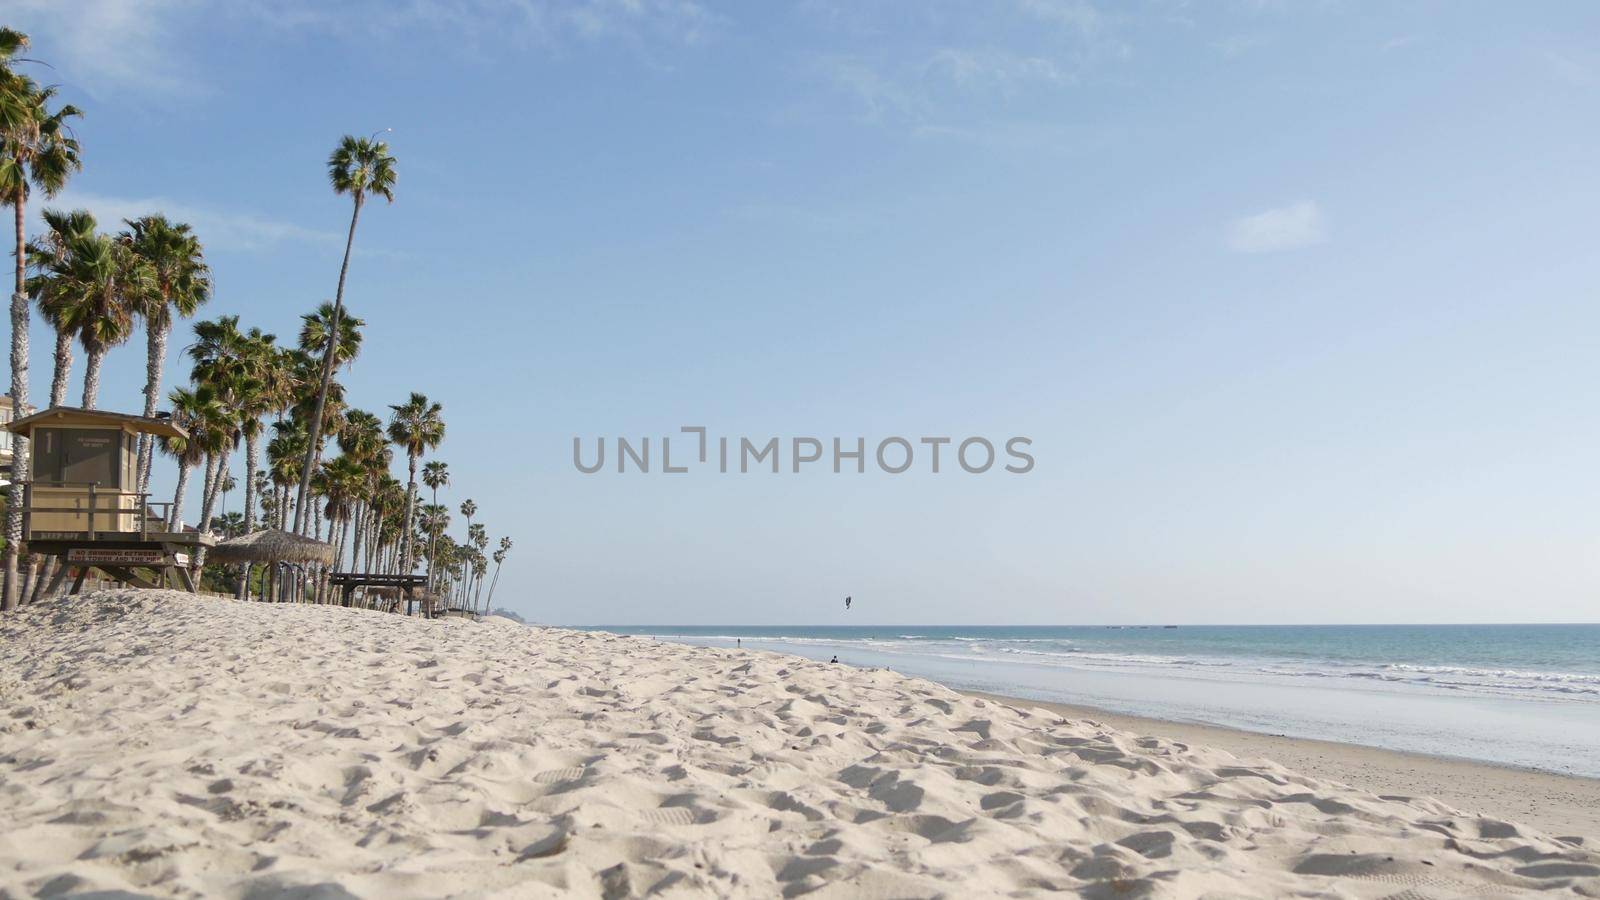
{"x":878,"y":95}
{"x":1572,"y":69}
{"x":997,"y":69}
{"x":1237,"y":45}
{"x":1284,"y":228}
{"x":103,"y":46}
{"x":218,"y":229}
{"x":1077,"y":15}
{"x":144,"y":46}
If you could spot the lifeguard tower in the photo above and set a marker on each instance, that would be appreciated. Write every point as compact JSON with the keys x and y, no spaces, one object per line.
{"x":80,"y":500}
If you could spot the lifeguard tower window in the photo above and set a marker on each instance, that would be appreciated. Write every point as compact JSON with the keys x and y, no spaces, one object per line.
{"x":80,"y":456}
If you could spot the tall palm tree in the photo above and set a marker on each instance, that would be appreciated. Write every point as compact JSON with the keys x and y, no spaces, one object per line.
{"x":436,"y":474}
{"x":191,"y":409}
{"x":417,"y":427}
{"x":357,"y":167}
{"x":181,"y":282}
{"x":478,"y":537}
{"x":284,"y":454}
{"x":265,"y":364}
{"x":316,"y":329}
{"x":48,"y":257}
{"x":97,"y":287}
{"x":433,"y":518}
{"x":38,"y":150}
{"x":388,"y":498}
{"x":344,"y":481}
{"x":363,"y":440}
{"x":499,"y":560}
{"x":218,"y":433}
{"x":468,"y":510}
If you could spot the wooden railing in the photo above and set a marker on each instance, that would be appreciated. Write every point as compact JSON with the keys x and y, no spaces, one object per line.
{"x":141,"y":508}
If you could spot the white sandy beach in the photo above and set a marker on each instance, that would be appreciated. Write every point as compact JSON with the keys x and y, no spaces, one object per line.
{"x":159,"y":743}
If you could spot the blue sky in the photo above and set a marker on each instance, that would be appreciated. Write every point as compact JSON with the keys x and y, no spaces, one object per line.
{"x":1295,"y":300}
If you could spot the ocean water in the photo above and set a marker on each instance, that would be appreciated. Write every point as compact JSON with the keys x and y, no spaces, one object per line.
{"x":1523,"y":695}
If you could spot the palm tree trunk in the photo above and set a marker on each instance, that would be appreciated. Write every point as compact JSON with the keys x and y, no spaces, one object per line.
{"x":327,"y":370}
{"x":46,"y":573}
{"x":58,"y":384}
{"x":155,"y":357}
{"x":176,"y":513}
{"x":91,"y":376}
{"x":406,"y":559}
{"x":490,"y":602}
{"x":250,"y":448}
{"x":360,"y":517}
{"x":208,"y":500}
{"x":19,"y":404}
{"x":252,"y":460}
{"x":433,"y":539}
{"x":205,"y":486}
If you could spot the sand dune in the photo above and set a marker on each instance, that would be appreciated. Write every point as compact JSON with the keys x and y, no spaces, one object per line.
{"x":158,"y":743}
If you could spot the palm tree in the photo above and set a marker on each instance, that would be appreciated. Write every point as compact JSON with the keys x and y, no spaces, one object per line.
{"x":284,"y":454}
{"x":363,"y":441}
{"x":37,"y":149}
{"x":98,"y":287}
{"x":267,"y":371}
{"x":478,"y":537}
{"x":388,"y":498}
{"x":436,"y":474}
{"x":417,"y":427}
{"x":217,"y":432}
{"x":357,"y":167}
{"x":344,"y":482}
{"x":47,"y":257}
{"x":191,"y":409}
{"x":181,"y":283}
{"x":433,"y":518}
{"x":231,"y":525}
{"x":499,"y":560}
{"x":468,"y":510}
{"x":318,"y":325}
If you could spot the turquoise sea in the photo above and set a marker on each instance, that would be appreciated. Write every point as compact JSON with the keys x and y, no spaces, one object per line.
{"x":1525,"y":695}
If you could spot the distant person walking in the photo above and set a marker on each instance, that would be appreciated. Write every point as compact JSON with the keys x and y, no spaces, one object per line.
{"x":847,"y":603}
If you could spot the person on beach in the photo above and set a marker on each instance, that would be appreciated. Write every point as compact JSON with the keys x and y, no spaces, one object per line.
{"x":847,"y":603}
{"x":835,"y":658}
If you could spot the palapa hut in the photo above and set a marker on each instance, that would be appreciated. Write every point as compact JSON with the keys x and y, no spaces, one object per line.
{"x":271,"y":546}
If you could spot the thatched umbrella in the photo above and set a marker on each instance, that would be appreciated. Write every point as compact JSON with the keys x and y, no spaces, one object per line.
{"x":271,"y":545}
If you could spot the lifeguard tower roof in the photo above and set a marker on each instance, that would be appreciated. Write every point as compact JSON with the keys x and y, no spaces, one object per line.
{"x":74,"y":415}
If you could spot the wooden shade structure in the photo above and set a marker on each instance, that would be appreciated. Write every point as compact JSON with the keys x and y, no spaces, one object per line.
{"x":271,"y":545}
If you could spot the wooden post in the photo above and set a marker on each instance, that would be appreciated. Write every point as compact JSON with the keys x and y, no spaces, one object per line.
{"x":56,"y":579}
{"x":93,"y":502}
